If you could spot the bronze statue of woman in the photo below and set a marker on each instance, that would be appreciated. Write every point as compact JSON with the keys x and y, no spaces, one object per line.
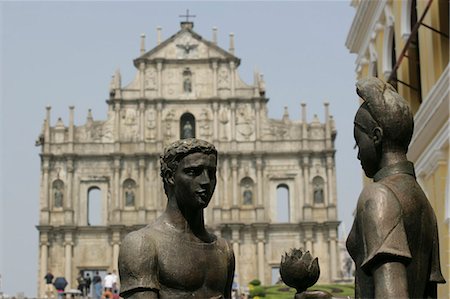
{"x":394,"y":238}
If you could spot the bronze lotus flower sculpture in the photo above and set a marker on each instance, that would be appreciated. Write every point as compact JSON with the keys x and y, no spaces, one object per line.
{"x":299,"y":270}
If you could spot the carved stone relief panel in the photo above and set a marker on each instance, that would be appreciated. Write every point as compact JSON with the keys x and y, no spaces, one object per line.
{"x":244,"y":122}
{"x":205,"y":124}
{"x":276,"y":130}
{"x":224,"y":119}
{"x":186,"y":46}
{"x":150,"y":78}
{"x":90,"y":132}
{"x":172,"y":82}
{"x":223,"y":78}
{"x":129,"y":125}
{"x":316,"y":132}
{"x":107,"y":129}
{"x":150,"y":125}
{"x":169,"y":125}
{"x":203,"y":84}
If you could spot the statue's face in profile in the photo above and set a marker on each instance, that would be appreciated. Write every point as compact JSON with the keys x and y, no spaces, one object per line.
{"x":367,"y":153}
{"x":194,"y":180}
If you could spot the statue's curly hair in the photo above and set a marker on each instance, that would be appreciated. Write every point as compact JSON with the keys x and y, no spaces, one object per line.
{"x":389,"y":110}
{"x":179,"y":149}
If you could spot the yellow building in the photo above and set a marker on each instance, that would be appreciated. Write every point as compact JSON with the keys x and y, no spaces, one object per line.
{"x":407,"y":43}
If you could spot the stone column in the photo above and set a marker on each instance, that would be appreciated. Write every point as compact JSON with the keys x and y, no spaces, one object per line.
{"x":304,"y":128}
{"x":309,"y":237}
{"x":159,"y":136}
{"x":333,"y":187}
{"x":68,"y":200}
{"x":332,"y":242}
{"x":214,"y":67}
{"x":68,"y":244}
{"x":259,"y":190}
{"x":258,"y":120}
{"x":45,"y":196}
{"x":235,"y":240}
{"x":234,"y":168}
{"x":141,"y":79}
{"x":141,"y":202}
{"x":301,"y":193}
{"x":116,"y":190}
{"x":330,"y":199}
{"x":233,"y":78}
{"x":327,"y":126}
{"x":159,"y":77}
{"x":215,"y":108}
{"x":47,"y":130}
{"x":45,"y":200}
{"x":44,"y":262}
{"x":233,"y":121}
{"x":234,"y":206}
{"x":116,"y":246}
{"x":117,"y":126}
{"x":260,"y":254}
{"x":141,"y":122}
{"x":308,"y":200}
{"x":71,"y":128}
{"x":226,"y":197}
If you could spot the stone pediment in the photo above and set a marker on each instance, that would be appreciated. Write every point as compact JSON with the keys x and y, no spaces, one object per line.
{"x":186,"y":45}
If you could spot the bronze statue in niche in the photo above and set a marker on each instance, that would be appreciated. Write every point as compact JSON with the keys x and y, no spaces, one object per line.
{"x":394,"y":238}
{"x":176,"y":257}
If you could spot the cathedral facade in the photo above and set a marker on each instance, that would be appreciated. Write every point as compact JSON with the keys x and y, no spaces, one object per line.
{"x":276,"y":180}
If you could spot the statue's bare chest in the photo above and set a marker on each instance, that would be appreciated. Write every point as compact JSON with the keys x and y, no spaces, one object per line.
{"x":192,"y":267}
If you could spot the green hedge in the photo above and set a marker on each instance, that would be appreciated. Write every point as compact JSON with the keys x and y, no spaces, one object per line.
{"x":258,"y":291}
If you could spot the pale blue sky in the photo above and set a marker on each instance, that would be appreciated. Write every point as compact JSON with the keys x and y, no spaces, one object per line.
{"x":64,"y":53}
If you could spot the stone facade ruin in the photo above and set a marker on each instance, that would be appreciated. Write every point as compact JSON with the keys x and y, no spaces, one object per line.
{"x":188,"y":87}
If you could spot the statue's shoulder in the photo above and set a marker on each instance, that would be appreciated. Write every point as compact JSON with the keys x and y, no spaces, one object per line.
{"x":376,"y":193}
{"x":138,"y":262}
{"x":224,"y":245}
{"x":376,"y":200}
{"x":138,"y":243}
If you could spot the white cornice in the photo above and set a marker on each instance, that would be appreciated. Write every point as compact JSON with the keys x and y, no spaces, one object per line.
{"x":364,"y":24}
{"x":405,"y":20}
{"x":433,"y":114}
{"x":434,"y":153}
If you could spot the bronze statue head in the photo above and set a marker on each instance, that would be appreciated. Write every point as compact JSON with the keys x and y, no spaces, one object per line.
{"x":383,"y":123}
{"x":178,"y":150}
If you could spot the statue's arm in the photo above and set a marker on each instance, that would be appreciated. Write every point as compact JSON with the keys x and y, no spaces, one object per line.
{"x":390,"y":281}
{"x":143,"y":294}
{"x":386,"y":250}
{"x":138,"y":267}
{"x":230,"y":274}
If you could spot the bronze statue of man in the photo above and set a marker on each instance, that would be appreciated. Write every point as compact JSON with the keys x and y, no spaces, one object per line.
{"x":394,"y":238}
{"x":175,"y":256}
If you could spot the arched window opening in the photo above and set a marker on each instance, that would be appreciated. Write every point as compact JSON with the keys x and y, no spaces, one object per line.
{"x":187,"y":126}
{"x":94,"y":213}
{"x":247,"y":191}
{"x":413,"y":57}
{"x":444,"y":28}
{"x":318,"y":189}
{"x":129,"y":192}
{"x":276,"y":278}
{"x":373,"y":68}
{"x":393,"y":53}
{"x":58,"y":193}
{"x":283,"y":203}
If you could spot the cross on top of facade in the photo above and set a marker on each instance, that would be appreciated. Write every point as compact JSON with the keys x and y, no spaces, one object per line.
{"x":187,"y":15}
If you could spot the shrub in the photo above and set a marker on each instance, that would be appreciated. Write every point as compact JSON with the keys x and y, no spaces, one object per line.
{"x":255,"y":282}
{"x":257,"y":291}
